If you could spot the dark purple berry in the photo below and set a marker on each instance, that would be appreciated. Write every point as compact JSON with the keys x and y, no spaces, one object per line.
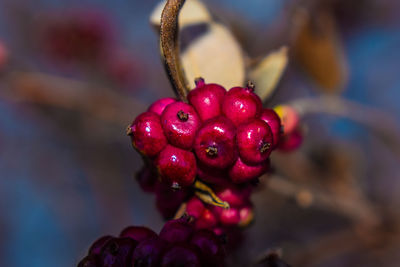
{"x":148,"y":253}
{"x":137,"y":233}
{"x":117,"y":252}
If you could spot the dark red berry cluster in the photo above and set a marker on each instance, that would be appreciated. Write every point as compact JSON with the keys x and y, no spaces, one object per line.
{"x":224,"y":138}
{"x":178,"y":244}
{"x":219,"y":136}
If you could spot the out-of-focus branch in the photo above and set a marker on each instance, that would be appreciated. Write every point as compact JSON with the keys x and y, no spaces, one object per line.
{"x":380,"y":123}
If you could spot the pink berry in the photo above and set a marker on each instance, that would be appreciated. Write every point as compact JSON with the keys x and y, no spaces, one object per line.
{"x":229,"y":217}
{"x":241,"y":105}
{"x":236,"y":196}
{"x":138,"y":233}
{"x":242,"y":172}
{"x":246,"y":215}
{"x":176,"y":231}
{"x":180,"y":123}
{"x":207,"y":220}
{"x":215,"y":143}
{"x":291,"y":141}
{"x":206,"y":99}
{"x":194,"y":207}
{"x":289,"y":118}
{"x":159,"y":106}
{"x":254,"y":140}
{"x":274,"y":122}
{"x":176,"y":166}
{"x":147,"y":134}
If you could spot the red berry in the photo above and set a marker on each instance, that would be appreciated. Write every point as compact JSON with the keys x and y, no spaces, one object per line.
{"x":207,"y":99}
{"x":117,"y":252}
{"x":98,"y":245}
{"x":180,"y":123}
{"x":176,"y":166}
{"x":274,"y":122}
{"x":147,"y":134}
{"x":159,"y":106}
{"x":254,"y":141}
{"x":234,"y":195}
{"x":241,"y":105}
{"x":169,"y":200}
{"x":246,"y":215}
{"x":181,"y":255}
{"x":176,"y":231}
{"x":137,"y":233}
{"x":211,"y":175}
{"x":194,"y":207}
{"x":242,"y":172}
{"x":215,"y":143}
{"x":148,"y":252}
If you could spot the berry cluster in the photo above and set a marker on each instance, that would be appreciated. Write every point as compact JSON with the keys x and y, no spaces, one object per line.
{"x":224,"y":138}
{"x":178,"y":244}
{"x":218,"y":136}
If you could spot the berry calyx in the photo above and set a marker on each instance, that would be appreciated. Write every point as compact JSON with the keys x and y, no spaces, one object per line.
{"x":147,"y":134}
{"x":206,"y":99}
{"x":241,"y":105}
{"x":176,"y":166}
{"x":180,"y":123}
{"x":254,"y":140}
{"x":215,"y":143}
{"x":159,"y":106}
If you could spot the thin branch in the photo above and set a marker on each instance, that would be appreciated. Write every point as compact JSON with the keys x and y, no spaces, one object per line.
{"x":169,"y":43}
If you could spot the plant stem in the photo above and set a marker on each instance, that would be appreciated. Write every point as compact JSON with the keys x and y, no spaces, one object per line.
{"x":169,"y":43}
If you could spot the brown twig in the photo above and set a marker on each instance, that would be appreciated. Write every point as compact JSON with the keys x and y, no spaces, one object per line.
{"x":169,"y":43}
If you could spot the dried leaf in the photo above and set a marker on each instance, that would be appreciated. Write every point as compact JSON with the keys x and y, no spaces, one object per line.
{"x":318,"y":49}
{"x":193,"y":12}
{"x":268,"y":72}
{"x":216,"y":56}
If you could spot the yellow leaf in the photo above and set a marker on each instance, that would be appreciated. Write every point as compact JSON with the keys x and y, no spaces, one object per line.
{"x":216,"y":56}
{"x":268,"y":72}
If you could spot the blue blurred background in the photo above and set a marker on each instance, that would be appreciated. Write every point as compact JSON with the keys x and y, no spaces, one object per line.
{"x":66,"y":166}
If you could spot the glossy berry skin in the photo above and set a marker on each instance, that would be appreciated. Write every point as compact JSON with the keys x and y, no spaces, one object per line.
{"x":138,"y":233}
{"x":97,"y":246}
{"x":241,"y":105}
{"x":176,"y":166}
{"x":254,"y":140}
{"x":147,"y":134}
{"x":229,"y":217}
{"x":180,"y":123}
{"x":241,"y":172}
{"x":207,"y":99}
{"x":148,"y":252}
{"x":176,"y":231}
{"x":195,"y":207}
{"x":235,"y":195}
{"x":215,"y":143}
{"x":181,"y":255}
{"x":274,"y":122}
{"x":210,"y":246}
{"x":159,"y":106}
{"x":117,"y":252}
{"x":207,"y":220}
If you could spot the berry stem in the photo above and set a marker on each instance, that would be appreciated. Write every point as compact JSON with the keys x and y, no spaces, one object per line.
{"x":169,"y":43}
{"x":207,"y":195}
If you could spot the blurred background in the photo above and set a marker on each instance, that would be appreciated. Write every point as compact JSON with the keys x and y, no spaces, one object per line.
{"x":73,"y":74}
